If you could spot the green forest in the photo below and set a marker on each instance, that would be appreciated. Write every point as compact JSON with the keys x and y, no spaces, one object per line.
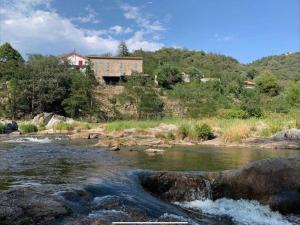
{"x":46,"y":84}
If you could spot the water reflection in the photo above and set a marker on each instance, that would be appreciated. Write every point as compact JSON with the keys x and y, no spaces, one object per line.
{"x":199,"y":158}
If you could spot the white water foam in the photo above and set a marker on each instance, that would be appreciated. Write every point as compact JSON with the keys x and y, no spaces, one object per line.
{"x":29,"y":139}
{"x":241,"y":211}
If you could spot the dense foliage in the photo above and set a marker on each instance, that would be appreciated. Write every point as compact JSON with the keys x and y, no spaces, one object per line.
{"x":46,"y":84}
{"x":216,"y":85}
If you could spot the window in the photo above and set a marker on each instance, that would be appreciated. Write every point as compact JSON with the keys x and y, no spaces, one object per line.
{"x":80,"y":62}
{"x":107,"y":67}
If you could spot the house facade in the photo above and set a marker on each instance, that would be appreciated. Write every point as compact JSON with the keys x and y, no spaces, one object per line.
{"x":74,"y":59}
{"x":112,"y":69}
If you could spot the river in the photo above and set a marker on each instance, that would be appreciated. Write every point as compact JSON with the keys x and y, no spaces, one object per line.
{"x":111,"y":177}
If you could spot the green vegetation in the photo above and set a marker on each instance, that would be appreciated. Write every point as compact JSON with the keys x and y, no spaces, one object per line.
{"x":215,"y":96}
{"x":285,"y":66}
{"x":28,"y":128}
{"x":69,"y":126}
{"x":2,"y":128}
{"x":44,"y":84}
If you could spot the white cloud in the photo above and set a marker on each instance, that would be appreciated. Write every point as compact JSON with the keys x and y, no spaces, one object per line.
{"x":89,"y":17}
{"x":32,"y":26}
{"x":117,"y":29}
{"x":142,"y":20}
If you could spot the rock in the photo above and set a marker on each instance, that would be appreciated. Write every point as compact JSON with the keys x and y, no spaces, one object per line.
{"x":154,"y":150}
{"x":174,"y":186}
{"x":271,"y":181}
{"x":42,"y":118}
{"x":93,"y":136}
{"x":10,"y":126}
{"x":114,"y":148}
{"x":163,"y":128}
{"x":56,"y":119}
{"x":28,"y":206}
{"x":291,"y":135}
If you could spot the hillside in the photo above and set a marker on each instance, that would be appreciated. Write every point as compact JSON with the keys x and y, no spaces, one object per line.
{"x":285,"y":66}
{"x":208,"y":64}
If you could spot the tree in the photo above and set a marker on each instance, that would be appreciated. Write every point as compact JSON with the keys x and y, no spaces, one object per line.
{"x":140,"y":93}
{"x":123,"y":50}
{"x":81,"y":100}
{"x":267,"y":83}
{"x":11,"y":62}
{"x":168,"y":75}
{"x":8,"y":53}
{"x":292,"y":95}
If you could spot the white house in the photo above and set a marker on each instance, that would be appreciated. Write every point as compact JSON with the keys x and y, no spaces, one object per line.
{"x":75,"y":59}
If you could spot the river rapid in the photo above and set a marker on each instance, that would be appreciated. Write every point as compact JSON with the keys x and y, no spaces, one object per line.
{"x":100,"y":186}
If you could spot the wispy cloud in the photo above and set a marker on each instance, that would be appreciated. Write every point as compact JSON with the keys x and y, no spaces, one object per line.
{"x":89,"y":17}
{"x":142,"y":20}
{"x":221,"y":38}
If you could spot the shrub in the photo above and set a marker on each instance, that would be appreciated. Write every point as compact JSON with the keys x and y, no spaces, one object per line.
{"x":233,"y":114}
{"x":203,"y":132}
{"x":2,"y":128}
{"x":183,"y":131}
{"x":42,"y":126}
{"x":298,"y":123}
{"x":28,"y":128}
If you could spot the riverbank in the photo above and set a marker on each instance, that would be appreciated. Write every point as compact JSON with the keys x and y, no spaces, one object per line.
{"x":277,"y":131}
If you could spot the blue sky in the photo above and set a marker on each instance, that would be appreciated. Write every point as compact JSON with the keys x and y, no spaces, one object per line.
{"x":244,"y":29}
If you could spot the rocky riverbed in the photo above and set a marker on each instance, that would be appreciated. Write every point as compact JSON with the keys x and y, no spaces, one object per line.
{"x":55,"y":181}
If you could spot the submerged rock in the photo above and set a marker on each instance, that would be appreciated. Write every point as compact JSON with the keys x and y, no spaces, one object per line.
{"x":154,"y":150}
{"x":173,"y":186}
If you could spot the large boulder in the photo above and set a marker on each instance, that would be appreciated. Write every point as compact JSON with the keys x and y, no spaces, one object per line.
{"x":29,"y":206}
{"x":173,"y":186}
{"x":275,"y":182}
{"x":42,"y":118}
{"x":10,"y":126}
{"x":290,"y":135}
{"x":56,"y":119}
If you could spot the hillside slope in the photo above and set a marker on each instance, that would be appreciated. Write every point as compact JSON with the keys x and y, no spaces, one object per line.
{"x":285,"y":66}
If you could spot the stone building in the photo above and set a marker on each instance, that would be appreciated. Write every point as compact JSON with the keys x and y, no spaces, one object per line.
{"x":113,"y":69}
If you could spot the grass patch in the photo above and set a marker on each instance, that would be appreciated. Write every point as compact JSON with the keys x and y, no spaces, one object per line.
{"x":28,"y":128}
{"x":237,"y":133}
{"x":76,"y":125}
{"x":138,"y":124}
{"x":2,"y":128}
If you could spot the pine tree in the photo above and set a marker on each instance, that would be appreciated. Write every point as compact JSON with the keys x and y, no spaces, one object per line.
{"x":123,"y":50}
{"x":8,"y":53}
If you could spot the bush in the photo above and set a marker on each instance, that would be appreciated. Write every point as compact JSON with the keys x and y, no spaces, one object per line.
{"x":2,"y":128}
{"x":233,"y":114}
{"x":28,"y":128}
{"x":202,"y":132}
{"x":168,"y":75}
{"x":298,"y":123}
{"x":42,"y":126}
{"x":183,"y":131}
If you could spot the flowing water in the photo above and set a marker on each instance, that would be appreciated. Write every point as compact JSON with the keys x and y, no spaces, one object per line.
{"x":112,"y":178}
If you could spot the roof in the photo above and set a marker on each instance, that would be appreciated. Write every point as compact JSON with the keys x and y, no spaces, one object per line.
{"x":118,"y":57}
{"x":70,"y":54}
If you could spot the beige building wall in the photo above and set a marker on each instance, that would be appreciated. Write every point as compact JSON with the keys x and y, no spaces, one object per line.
{"x":115,"y":66}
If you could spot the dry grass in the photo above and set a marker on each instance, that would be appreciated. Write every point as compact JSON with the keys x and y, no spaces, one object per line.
{"x":237,"y":133}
